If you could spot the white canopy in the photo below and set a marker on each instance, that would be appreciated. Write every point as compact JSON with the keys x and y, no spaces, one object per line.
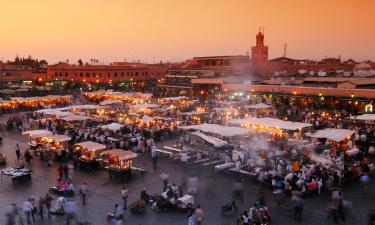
{"x":84,"y":107}
{"x":334,"y":134}
{"x":37,"y":133}
{"x":269,"y":122}
{"x":144,"y":106}
{"x":259,"y":106}
{"x":218,"y":129}
{"x":213,"y":140}
{"x":175,"y":98}
{"x":112,"y":126}
{"x":193,"y":113}
{"x":60,"y":138}
{"x":364,"y":117}
{"x":91,"y":146}
{"x":226,"y":109}
{"x":110,"y":102}
{"x":121,"y":154}
{"x":76,"y":118}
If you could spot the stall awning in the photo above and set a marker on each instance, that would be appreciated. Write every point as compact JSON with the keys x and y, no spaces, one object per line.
{"x":269,"y":122}
{"x":334,"y":134}
{"x":60,"y":138}
{"x":91,"y":146}
{"x":259,"y":106}
{"x":76,"y":118}
{"x":224,"y":131}
{"x":144,"y":106}
{"x":368,"y":117}
{"x":121,"y":154}
{"x":212,"y":140}
{"x":110,"y":102}
{"x":37,"y":133}
{"x":112,"y":126}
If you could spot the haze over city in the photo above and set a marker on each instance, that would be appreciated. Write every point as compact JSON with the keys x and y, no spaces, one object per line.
{"x":171,"y":30}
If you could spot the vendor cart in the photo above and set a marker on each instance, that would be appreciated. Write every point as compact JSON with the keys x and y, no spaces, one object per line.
{"x":86,"y":155}
{"x":118,"y":163}
{"x":18,"y":175}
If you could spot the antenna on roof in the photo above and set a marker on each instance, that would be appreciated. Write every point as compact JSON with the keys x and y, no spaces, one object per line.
{"x":285,"y":47}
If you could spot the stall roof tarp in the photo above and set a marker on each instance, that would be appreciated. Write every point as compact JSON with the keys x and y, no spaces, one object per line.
{"x":60,"y":138}
{"x":213,"y":140}
{"x":193,"y":113}
{"x":224,"y":131}
{"x":91,"y":146}
{"x":144,"y":106}
{"x":175,"y":98}
{"x":334,"y":134}
{"x":110,"y":102}
{"x":84,"y":107}
{"x":269,"y":122}
{"x":259,"y":106}
{"x":121,"y":154}
{"x":76,"y":118}
{"x":226,"y":109}
{"x":37,"y":133}
{"x":112,"y":126}
{"x":368,"y":117}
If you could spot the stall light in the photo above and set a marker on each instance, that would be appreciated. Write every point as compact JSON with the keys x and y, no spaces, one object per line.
{"x":368,"y":108}
{"x":352,"y":95}
{"x":356,"y":103}
{"x":294,"y":92}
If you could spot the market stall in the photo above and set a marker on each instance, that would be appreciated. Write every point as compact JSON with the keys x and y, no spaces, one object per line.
{"x":86,"y":154}
{"x":18,"y":175}
{"x":118,"y":163}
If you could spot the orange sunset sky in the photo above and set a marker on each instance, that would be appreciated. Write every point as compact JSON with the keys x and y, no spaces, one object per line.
{"x":174,"y":30}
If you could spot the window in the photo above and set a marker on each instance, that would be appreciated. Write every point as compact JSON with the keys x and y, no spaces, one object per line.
{"x":109,"y":75}
{"x":146,"y":73}
{"x":128,"y":73}
{"x":100,"y":75}
{"x":122,"y":74}
{"x":56,"y":74}
{"x":75,"y":74}
{"x":115,"y":74}
{"x":131,"y":74}
{"x":93,"y":74}
{"x":136,"y":74}
{"x":81,"y":74}
{"x":66,"y":74}
{"x":60,"y":74}
{"x":87,"y":74}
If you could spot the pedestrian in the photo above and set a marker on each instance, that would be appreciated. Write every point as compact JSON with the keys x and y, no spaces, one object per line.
{"x":61,"y":172}
{"x":83,"y":192}
{"x":199,"y":214}
{"x":66,"y":172}
{"x":47,"y":202}
{"x":18,"y":151}
{"x":154,"y":157}
{"x":11,"y":215}
{"x":365,"y":181}
{"x":34,"y":211}
{"x":70,"y":210}
{"x":191,"y":216}
{"x":297,"y":207}
{"x":245,"y":218}
{"x":124,"y":195}
{"x":27,"y":209}
{"x":40,"y":207}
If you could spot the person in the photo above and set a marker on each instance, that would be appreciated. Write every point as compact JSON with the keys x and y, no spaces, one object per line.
{"x":365,"y":181}
{"x":40,"y":207}
{"x":27,"y":209}
{"x":47,"y":202}
{"x":192,"y":220}
{"x":18,"y":151}
{"x":70,"y":210}
{"x":118,"y":214}
{"x":11,"y":215}
{"x":297,"y":207}
{"x":124,"y":195}
{"x":61,"y":172}
{"x":341,"y":207}
{"x":83,"y":192}
{"x":154,"y":157}
{"x":66,"y":172}
{"x":144,"y":196}
{"x":237,"y":191}
{"x":245,"y":218}
{"x":199,"y":215}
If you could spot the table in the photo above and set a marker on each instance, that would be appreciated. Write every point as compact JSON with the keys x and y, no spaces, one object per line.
{"x":18,"y":175}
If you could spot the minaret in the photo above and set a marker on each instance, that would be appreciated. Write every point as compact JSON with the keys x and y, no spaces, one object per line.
{"x":259,"y":55}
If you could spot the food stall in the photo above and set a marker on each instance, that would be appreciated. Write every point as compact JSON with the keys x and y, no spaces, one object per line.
{"x":86,"y":155}
{"x":118,"y":163}
{"x":36,"y":137}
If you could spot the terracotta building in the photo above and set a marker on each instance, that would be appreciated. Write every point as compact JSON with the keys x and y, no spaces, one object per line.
{"x":107,"y":73}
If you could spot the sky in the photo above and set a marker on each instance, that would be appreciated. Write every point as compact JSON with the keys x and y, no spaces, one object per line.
{"x":175,"y":30}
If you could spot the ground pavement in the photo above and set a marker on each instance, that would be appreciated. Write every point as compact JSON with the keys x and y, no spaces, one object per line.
{"x":214,"y":191}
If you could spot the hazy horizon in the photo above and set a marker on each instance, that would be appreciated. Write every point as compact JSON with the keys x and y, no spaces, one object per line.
{"x":174,"y":30}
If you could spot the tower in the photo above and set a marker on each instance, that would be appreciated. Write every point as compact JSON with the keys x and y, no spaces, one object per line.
{"x":259,"y":55}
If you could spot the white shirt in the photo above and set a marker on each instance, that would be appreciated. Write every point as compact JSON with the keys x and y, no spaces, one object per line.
{"x":124,"y":193}
{"x":27,"y":206}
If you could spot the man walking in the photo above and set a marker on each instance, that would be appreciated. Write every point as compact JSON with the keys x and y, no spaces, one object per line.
{"x":124,"y":194}
{"x":83,"y":192}
{"x":18,"y":151}
{"x":298,"y":207}
{"x":199,"y":215}
{"x":154,"y":156}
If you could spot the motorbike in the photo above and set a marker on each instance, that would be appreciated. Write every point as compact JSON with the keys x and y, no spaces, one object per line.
{"x":229,"y":207}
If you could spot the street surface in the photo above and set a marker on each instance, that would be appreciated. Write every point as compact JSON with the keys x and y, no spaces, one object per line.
{"x":214,"y":191}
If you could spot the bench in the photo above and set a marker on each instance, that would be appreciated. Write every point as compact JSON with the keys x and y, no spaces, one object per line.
{"x":138,"y":170}
{"x":173,"y":149}
{"x":164,"y":152}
